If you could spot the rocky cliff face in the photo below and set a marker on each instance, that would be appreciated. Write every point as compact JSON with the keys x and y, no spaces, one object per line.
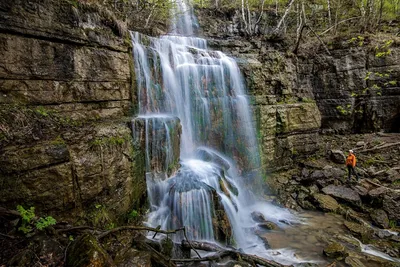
{"x":65,"y":83}
{"x":286,"y":115}
{"x":355,"y":88}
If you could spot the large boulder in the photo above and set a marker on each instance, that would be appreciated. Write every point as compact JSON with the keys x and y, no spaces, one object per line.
{"x":336,"y":251}
{"x":337,"y":156}
{"x":342,"y":193}
{"x":380,"y":218}
{"x":325,"y":202}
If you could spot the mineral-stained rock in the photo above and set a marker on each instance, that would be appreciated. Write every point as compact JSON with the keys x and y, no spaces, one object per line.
{"x":343,"y":193}
{"x":87,"y":252}
{"x":326,"y":203}
{"x":335,"y":250}
{"x":380,"y":218}
{"x":159,"y":137}
{"x":337,"y":156}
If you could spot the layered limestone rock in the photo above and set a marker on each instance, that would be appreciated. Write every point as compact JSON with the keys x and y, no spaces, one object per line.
{"x":356,"y":87}
{"x":66,"y":77}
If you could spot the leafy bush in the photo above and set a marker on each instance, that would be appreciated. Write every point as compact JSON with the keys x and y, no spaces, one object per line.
{"x":29,"y":221}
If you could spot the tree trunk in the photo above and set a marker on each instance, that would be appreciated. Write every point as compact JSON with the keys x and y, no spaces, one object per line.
{"x":283,"y":17}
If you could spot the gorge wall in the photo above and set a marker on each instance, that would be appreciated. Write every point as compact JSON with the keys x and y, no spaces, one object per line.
{"x":66,"y":89}
{"x":298,"y":97}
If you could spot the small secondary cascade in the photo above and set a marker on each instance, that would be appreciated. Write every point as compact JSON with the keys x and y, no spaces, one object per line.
{"x":181,"y":82}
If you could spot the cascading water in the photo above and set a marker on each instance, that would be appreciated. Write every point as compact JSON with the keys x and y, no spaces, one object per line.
{"x":177,"y":76}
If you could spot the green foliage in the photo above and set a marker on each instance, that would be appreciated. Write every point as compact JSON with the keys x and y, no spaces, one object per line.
{"x":109,"y":141}
{"x":383,"y":50}
{"x":359,"y":40}
{"x":392,"y":224}
{"x":373,"y":161}
{"x":43,"y":223}
{"x":27,"y":215}
{"x":29,"y":221}
{"x":42,"y":111}
{"x":58,"y":141}
{"x":344,"y":110}
{"x":133,"y":214}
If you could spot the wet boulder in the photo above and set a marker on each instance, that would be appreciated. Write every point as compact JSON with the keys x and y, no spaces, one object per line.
{"x":86,"y":251}
{"x":336,"y":251}
{"x":258,"y":217}
{"x":207,"y":212}
{"x":268,"y":225}
{"x":209,"y":155}
{"x":342,"y":193}
{"x":380,"y":218}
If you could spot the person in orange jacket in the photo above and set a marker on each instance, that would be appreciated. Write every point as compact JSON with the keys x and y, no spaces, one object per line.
{"x":351,"y":164}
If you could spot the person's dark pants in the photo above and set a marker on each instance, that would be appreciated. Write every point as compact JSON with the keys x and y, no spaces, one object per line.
{"x":351,"y":171}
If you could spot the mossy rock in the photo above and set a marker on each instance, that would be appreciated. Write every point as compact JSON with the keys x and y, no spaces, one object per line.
{"x":326,"y":203}
{"x":360,"y":231}
{"x":86,"y":251}
{"x":335,"y":251}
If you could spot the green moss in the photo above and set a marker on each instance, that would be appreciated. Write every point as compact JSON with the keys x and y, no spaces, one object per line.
{"x":100,"y":217}
{"x":58,"y":141}
{"x":43,"y":111}
{"x":109,"y":142}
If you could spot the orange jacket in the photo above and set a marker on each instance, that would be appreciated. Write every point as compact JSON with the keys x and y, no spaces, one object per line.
{"x":351,"y":160}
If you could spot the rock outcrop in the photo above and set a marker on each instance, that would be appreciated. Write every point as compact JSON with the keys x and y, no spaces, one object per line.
{"x":66,"y":84}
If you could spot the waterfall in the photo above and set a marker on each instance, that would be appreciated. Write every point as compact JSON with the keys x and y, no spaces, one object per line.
{"x":179,"y":77}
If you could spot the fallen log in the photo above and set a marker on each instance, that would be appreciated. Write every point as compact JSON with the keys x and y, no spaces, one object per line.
{"x":202,"y":246}
{"x":378,"y":147}
{"x":222,"y":253}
